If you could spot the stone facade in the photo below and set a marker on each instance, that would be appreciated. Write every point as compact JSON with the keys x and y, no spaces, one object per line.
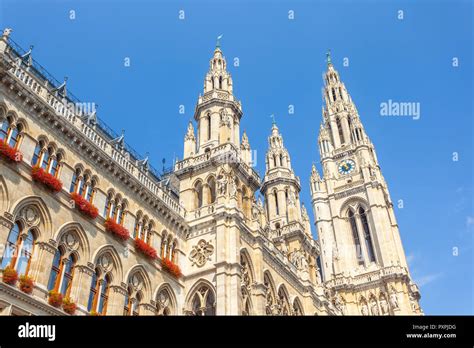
{"x":237,"y":255}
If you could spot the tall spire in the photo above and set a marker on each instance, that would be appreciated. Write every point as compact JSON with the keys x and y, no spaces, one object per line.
{"x":218,"y":41}
{"x":328,"y":57}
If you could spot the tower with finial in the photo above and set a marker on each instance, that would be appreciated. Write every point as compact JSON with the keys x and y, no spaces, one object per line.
{"x":354,"y":215}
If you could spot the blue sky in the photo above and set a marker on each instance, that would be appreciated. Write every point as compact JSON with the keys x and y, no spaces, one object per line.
{"x":281,"y":64}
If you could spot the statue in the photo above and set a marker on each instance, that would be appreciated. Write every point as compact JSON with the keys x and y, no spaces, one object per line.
{"x":384,"y":306}
{"x":374,"y":308}
{"x":318,"y":276}
{"x":393,"y":298}
{"x":364,"y":310}
{"x":7,"y":32}
{"x":222,"y":184}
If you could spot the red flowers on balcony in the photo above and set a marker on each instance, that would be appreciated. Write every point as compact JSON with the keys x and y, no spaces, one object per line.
{"x":116,"y":229}
{"x":26,"y":284}
{"x":55,"y":298}
{"x":84,"y":206}
{"x":48,"y":180}
{"x":171,"y":268}
{"x":69,"y":306}
{"x":10,"y":276}
{"x":145,"y":249}
{"x":9,"y":153}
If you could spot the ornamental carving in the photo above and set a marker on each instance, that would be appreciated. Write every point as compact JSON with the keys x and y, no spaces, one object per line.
{"x":201,"y":253}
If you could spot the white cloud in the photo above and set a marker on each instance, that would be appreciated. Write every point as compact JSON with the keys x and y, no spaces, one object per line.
{"x":429,"y":278}
{"x":470,"y":221}
{"x":410,"y":258}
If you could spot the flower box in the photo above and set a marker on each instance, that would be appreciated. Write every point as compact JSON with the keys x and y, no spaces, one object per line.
{"x":84,"y":206}
{"x":48,"y":180}
{"x":116,"y":229}
{"x":26,"y":284}
{"x":69,"y":306}
{"x":171,"y":268}
{"x":55,"y":298}
{"x":145,"y":249}
{"x":9,"y":153}
{"x":10,"y":276}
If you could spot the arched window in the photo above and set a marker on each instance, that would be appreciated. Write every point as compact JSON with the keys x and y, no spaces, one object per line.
{"x":62,"y":273}
{"x":115,"y":208}
{"x":18,"y":252}
{"x":281,"y":159}
{"x":143,"y":228}
{"x":220,"y":82}
{"x":212,"y":190}
{"x":134,"y":295}
{"x":164,"y":244}
{"x":209,"y":126}
{"x":48,"y":158}
{"x":198,"y":194}
{"x":367,"y":237}
{"x":84,"y":185}
{"x":10,"y":133}
{"x":339,"y":128}
{"x":274,"y":160}
{"x":99,"y":293}
{"x":276,"y":202}
{"x":203,"y":302}
{"x":355,"y":235}
{"x":164,"y":303}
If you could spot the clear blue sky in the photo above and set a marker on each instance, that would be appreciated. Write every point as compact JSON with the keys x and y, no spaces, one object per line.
{"x":281,"y":63}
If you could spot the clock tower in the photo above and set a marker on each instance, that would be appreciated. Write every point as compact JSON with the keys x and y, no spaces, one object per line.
{"x":362,"y":257}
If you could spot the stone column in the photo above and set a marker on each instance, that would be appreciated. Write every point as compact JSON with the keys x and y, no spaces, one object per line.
{"x":81,"y":285}
{"x":115,"y":304}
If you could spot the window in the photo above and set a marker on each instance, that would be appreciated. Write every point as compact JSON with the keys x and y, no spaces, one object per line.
{"x":203,"y":302}
{"x":339,"y":127}
{"x":10,"y":133}
{"x":143,"y":228}
{"x":211,"y":183}
{"x":99,"y":293}
{"x":47,"y":158}
{"x":198,"y":194}
{"x":276,"y":203}
{"x":355,"y":235}
{"x":133,"y":297}
{"x":115,"y":208}
{"x":62,"y":273}
{"x":367,"y":237}
{"x":18,"y":253}
{"x":209,"y":126}
{"x":164,"y":304}
{"x":220,"y":82}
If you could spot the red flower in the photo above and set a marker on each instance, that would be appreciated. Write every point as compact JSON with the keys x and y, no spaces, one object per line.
{"x":84,"y":206}
{"x":10,"y":153}
{"x":116,"y":229}
{"x":69,"y":306}
{"x":10,"y":276}
{"x":55,"y":298}
{"x":48,"y":180}
{"x":145,"y":249}
{"x":26,"y":284}
{"x":170,"y":267}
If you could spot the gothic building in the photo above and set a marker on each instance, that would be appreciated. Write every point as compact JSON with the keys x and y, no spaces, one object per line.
{"x":90,"y":228}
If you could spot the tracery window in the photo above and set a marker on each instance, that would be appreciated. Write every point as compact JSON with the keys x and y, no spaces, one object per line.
{"x":203,"y":302}
{"x":134,"y":295}
{"x":367,"y":237}
{"x":355,"y":235}
{"x":164,"y":303}
{"x":19,"y":249}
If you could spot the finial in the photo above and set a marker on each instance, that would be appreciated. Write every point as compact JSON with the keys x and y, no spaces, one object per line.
{"x":328,"y":57}
{"x":218,"y":43}
{"x":6,"y":33}
{"x":273,"y":117}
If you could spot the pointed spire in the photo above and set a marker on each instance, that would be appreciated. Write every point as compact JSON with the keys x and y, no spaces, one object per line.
{"x":120,"y":140}
{"x":62,"y":90}
{"x":245,"y":139}
{"x":27,"y":57}
{"x":314,"y":173}
{"x":190,"y":132}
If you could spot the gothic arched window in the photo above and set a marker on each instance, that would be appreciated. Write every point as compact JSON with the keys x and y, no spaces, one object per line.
{"x":18,"y":251}
{"x":62,"y":273}
{"x":211,"y":183}
{"x":355,"y":235}
{"x":10,"y":133}
{"x":339,"y":128}
{"x":209,"y":126}
{"x":367,"y":237}
{"x":99,"y":293}
{"x":276,"y":202}
{"x":198,"y":194}
{"x":203,"y":302}
{"x":220,"y":82}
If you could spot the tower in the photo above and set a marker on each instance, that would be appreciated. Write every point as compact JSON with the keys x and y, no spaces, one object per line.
{"x":288,"y":222}
{"x":355,"y":221}
{"x":217,"y":186}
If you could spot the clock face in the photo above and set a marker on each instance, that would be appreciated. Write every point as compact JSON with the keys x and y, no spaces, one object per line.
{"x":346,"y":166}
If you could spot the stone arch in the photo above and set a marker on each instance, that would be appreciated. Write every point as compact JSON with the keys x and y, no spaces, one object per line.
{"x":32,"y":210}
{"x":202,"y":296}
{"x":244,"y":254}
{"x":284,"y":300}
{"x":4,"y":196}
{"x":146,"y":289}
{"x":297,"y":306}
{"x":353,"y":202}
{"x":78,"y":231}
{"x":117,"y":270}
{"x":161,"y":305}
